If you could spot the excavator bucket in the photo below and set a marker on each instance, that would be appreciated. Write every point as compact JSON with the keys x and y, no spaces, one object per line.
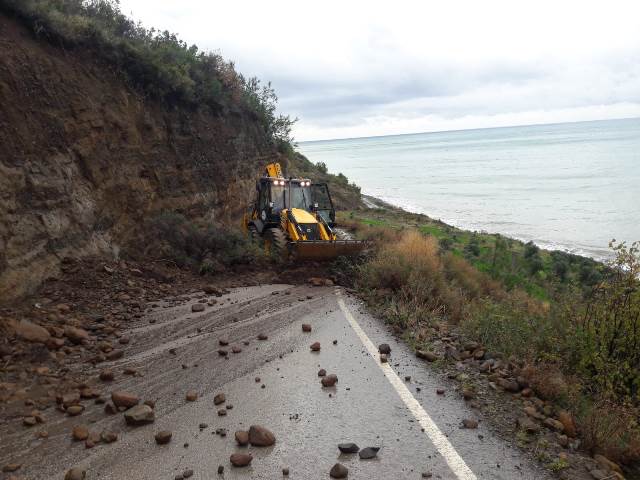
{"x":326,"y":250}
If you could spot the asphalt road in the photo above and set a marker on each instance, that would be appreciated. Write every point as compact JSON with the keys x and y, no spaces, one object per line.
{"x":372,"y":404}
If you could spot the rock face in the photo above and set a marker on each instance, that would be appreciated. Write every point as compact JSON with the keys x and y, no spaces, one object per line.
{"x":260,"y":436}
{"x":139,"y":415}
{"x":63,"y":192}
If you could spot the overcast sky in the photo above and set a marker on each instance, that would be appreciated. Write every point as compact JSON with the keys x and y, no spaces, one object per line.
{"x":351,"y":69}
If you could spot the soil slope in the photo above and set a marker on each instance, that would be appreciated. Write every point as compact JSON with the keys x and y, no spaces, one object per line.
{"x":84,"y":159}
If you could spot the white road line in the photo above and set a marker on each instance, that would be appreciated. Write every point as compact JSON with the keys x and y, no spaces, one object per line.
{"x":453,"y":459}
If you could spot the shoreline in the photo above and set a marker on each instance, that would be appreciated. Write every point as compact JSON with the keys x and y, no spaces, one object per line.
{"x":372,"y":202}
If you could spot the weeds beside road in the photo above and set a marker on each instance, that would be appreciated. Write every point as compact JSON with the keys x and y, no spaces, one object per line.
{"x":566,"y":329}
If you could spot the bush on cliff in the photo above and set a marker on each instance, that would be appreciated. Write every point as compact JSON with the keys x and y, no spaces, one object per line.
{"x":206,"y":248}
{"x":157,"y":63}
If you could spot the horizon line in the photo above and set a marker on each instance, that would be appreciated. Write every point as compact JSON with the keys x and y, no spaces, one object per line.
{"x":467,"y":129}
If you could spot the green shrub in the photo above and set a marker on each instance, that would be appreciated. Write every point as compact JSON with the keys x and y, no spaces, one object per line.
{"x":205,"y":248}
{"x":607,"y":328}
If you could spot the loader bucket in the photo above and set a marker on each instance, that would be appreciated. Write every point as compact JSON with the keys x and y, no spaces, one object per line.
{"x":325,"y":250}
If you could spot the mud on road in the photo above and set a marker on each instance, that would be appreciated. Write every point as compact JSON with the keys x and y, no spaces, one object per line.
{"x":273,"y":383}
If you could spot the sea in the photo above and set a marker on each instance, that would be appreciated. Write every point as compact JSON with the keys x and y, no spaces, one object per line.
{"x":569,"y":186}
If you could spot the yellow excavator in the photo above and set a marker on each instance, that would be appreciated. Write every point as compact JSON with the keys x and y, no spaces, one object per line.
{"x":295,"y":218}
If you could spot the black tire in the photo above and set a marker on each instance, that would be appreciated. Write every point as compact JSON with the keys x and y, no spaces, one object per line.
{"x":254,"y":236}
{"x":276,"y":243}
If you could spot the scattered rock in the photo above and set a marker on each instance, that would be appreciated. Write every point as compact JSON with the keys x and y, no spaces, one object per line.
{"x":567,"y":421}
{"x":222,"y":412}
{"x":329,"y":380}
{"x":108,"y":437}
{"x":469,"y":423}
{"x":368,"y":452}
{"x":339,"y":471}
{"x":222,"y":352}
{"x":192,"y":396}
{"x":221,"y":398}
{"x":348,"y":448}
{"x":426,"y":355}
{"x":32,"y":332}
{"x":440,"y":391}
{"x":29,"y":421}
{"x":197,"y":307}
{"x":75,"y":474}
{"x":528,"y":425}
{"x":124,"y":399}
{"x":306,"y":327}
{"x":315,"y":347}
{"x":115,"y":355}
{"x":11,"y":467}
{"x":242,"y":438}
{"x":607,"y":464}
{"x":509,"y":385}
{"x":163,"y":437}
{"x":240,"y":459}
{"x":80,"y":432}
{"x":139,"y":415}
{"x":187,"y":473}
{"x":236,"y":350}
{"x":384,"y":348}
{"x":220,"y":469}
{"x":74,"y":410}
{"x":322,"y":372}
{"x":600,"y":474}
{"x":285,"y":472}
{"x":260,"y":436}
{"x":76,"y":335}
{"x":554,"y":424}
{"x":451,"y":353}
{"x":262,"y":336}
{"x":468,"y":393}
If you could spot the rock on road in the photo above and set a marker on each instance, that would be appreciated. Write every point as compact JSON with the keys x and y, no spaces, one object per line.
{"x":273,"y":383}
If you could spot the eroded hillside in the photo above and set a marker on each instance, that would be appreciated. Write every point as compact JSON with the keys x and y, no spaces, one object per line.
{"x":85,"y":158}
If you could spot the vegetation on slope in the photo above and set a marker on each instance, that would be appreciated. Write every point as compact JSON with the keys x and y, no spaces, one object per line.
{"x":156,"y":63}
{"x":573,"y":324}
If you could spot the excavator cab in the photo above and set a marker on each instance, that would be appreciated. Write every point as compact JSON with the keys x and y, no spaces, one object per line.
{"x":296,"y":218}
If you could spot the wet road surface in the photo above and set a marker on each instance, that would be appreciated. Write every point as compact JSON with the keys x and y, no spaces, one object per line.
{"x":179,"y":352}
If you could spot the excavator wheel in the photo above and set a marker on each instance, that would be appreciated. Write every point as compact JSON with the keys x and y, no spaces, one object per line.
{"x":254,"y":236}
{"x":275,"y":242}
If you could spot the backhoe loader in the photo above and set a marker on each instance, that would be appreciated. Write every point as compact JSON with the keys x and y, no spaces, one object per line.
{"x":295,"y":218}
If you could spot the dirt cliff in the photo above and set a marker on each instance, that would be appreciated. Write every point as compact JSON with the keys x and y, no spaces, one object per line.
{"x":84,"y":159}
